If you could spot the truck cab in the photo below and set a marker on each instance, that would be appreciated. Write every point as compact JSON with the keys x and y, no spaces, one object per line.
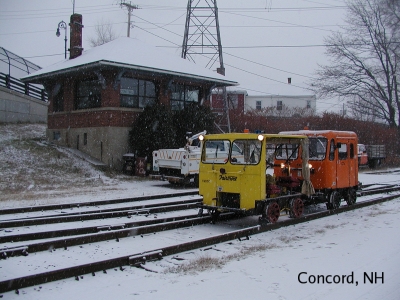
{"x":362,"y":155}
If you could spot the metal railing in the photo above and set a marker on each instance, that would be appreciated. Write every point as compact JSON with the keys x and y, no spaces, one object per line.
{"x":21,"y":87}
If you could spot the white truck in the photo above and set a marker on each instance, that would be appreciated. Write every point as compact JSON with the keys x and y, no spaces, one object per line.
{"x":179,"y":165}
{"x":182,"y":165}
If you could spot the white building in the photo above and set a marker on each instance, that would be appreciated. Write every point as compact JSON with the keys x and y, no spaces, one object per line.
{"x":281,"y":102}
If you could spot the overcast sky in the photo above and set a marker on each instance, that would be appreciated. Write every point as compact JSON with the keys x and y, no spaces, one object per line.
{"x":264,"y":41}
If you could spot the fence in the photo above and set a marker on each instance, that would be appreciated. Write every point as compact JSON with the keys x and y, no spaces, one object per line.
{"x":21,"y":87}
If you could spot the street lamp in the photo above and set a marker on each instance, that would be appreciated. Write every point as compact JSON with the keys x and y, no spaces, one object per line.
{"x":62,"y":24}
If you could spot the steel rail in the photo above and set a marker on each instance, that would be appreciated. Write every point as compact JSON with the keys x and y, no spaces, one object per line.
{"x":152,"y":208}
{"x":98,"y":234}
{"x":25,"y":209}
{"x":141,"y":258}
{"x":86,"y":230}
{"x":103,"y":236}
{"x":380,"y":190}
{"x":91,"y":203}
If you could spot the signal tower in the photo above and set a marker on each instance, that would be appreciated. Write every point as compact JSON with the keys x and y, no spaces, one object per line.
{"x":202,"y":40}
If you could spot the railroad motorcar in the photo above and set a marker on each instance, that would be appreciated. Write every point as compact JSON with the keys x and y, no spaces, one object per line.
{"x":237,"y":181}
{"x":275,"y":172}
{"x":333,"y":166}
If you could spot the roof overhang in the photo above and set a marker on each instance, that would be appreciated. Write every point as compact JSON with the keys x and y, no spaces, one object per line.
{"x":105,"y":64}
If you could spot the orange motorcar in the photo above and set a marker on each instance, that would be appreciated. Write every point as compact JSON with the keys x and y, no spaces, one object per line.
{"x":333,"y":163}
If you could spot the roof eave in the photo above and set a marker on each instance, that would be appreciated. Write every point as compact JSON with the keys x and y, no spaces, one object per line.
{"x":97,"y":64}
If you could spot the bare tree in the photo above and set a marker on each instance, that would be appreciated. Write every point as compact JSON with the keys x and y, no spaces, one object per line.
{"x":364,"y":61}
{"x":104,"y":33}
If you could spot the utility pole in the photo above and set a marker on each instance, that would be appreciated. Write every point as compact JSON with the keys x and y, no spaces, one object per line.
{"x":130,"y":7}
{"x":202,"y":38}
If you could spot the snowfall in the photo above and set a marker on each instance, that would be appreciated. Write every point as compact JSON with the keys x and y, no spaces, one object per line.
{"x":280,"y":264}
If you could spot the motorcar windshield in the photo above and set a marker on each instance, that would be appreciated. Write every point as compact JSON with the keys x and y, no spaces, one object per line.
{"x":317,"y":148}
{"x":246,"y":152}
{"x":215,"y":151}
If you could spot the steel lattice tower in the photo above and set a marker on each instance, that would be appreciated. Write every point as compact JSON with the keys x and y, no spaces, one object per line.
{"x":202,"y":39}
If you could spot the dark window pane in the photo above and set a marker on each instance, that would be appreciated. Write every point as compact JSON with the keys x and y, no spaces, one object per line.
{"x":137,"y":93}
{"x":58,"y":100}
{"x":88,"y":94}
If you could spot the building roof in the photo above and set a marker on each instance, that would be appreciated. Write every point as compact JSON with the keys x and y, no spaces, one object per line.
{"x":131,"y":54}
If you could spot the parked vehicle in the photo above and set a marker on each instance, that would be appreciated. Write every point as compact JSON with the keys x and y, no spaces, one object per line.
{"x":362,"y":154}
{"x":371,"y":155}
{"x":179,"y":165}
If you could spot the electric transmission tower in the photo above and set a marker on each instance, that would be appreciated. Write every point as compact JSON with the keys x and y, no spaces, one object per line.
{"x":202,"y":39}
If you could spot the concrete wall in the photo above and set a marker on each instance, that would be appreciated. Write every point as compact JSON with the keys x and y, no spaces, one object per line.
{"x":107,"y":144}
{"x":16,"y":107}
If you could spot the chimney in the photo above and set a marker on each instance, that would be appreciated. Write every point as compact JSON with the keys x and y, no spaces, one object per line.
{"x":75,"y":45}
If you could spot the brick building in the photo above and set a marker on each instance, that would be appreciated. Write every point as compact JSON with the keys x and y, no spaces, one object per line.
{"x":236,"y":100}
{"x":95,"y":96}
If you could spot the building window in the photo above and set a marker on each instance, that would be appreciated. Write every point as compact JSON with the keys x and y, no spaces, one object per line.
{"x":258,"y":105}
{"x":137,"y":93}
{"x":56,"y":135}
{"x":58,"y":100}
{"x":308,"y":103}
{"x":85,"y":138}
{"x":182,"y":94}
{"x":279,"y":105}
{"x":88,"y":94}
{"x":233,"y":101}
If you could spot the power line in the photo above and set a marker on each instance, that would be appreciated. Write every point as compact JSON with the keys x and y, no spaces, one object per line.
{"x":269,"y":67}
{"x":45,"y":55}
{"x":232,"y":47}
{"x":255,"y":74}
{"x":252,"y":73}
{"x":175,"y":8}
{"x":40,"y":31}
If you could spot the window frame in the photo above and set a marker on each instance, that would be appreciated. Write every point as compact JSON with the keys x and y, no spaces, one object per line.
{"x":322,"y":141}
{"x":88,"y":100}
{"x":142,"y":93}
{"x":58,"y":100}
{"x":251,"y":155}
{"x":183,"y":91}
{"x":207,"y":159}
{"x":279,"y":105}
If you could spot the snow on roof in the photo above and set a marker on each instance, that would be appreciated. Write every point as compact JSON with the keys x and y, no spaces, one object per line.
{"x":130,"y":53}
{"x":317,"y":132}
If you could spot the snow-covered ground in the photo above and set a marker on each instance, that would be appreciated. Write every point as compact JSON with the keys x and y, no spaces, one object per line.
{"x":281,"y":264}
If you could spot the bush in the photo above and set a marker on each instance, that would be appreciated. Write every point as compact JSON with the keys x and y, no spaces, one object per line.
{"x":153,"y":129}
{"x":158,"y":127}
{"x":194,"y":118}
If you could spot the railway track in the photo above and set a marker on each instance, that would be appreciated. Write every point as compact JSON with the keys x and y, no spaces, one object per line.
{"x":145,"y":231}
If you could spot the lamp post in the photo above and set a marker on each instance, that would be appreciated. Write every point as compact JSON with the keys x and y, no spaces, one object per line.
{"x":62,"y":24}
